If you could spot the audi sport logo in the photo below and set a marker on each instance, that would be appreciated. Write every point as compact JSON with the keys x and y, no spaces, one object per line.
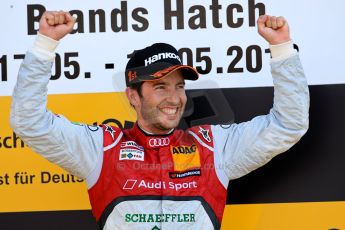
{"x":159,"y":142}
{"x":129,"y":184}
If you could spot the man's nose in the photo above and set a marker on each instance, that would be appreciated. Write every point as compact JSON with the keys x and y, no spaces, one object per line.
{"x":173,"y":96}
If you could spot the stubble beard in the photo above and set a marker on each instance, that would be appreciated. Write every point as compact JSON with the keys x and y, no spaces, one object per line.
{"x":153,"y":117}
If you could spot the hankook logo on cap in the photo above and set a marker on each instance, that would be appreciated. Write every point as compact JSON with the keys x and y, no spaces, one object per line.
{"x":160,"y":56}
{"x":159,"y":142}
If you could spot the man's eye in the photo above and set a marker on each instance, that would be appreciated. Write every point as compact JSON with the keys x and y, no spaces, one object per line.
{"x":160,"y":87}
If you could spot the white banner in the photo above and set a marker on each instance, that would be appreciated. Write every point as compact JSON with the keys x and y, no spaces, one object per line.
{"x":216,"y":36}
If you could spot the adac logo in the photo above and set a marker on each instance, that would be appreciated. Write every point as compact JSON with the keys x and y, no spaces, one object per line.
{"x":132,"y":75}
{"x":184,"y":149}
{"x":185,"y":157}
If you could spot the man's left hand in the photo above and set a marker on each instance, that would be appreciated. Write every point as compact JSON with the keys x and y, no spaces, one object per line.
{"x":275,"y":30}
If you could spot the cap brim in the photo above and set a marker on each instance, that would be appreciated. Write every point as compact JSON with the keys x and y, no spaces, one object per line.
{"x":188,"y":73}
{"x":160,"y":70}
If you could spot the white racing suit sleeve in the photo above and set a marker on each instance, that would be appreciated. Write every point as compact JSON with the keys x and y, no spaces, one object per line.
{"x":76,"y":148}
{"x":241,"y":148}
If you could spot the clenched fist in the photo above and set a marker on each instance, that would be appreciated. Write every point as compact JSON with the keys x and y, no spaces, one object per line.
{"x":56,"y":24}
{"x":275,"y":30}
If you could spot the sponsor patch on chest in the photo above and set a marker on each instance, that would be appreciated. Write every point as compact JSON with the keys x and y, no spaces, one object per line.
{"x":185,"y":157}
{"x":129,"y":150}
{"x":192,"y":172}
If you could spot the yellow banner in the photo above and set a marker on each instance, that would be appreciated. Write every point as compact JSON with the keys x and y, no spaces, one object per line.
{"x":285,"y":216}
{"x":28,"y":182}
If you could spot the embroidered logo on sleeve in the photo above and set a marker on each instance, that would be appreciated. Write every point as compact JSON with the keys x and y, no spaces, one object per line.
{"x":205,"y":134}
{"x":110,"y":130}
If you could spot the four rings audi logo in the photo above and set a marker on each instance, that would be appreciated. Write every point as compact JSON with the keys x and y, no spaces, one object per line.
{"x":159,"y":142}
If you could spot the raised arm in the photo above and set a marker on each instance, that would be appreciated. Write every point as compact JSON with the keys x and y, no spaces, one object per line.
{"x":76,"y":148}
{"x":244,"y":147}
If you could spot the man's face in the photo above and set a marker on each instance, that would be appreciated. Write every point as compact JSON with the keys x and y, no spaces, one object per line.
{"x":162,"y":103}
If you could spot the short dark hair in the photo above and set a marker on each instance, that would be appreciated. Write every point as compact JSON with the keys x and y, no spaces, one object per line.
{"x":137,"y":87}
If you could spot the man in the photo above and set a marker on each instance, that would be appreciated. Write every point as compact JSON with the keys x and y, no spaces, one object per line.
{"x":153,"y":176}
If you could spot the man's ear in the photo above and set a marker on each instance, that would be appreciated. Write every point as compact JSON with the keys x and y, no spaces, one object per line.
{"x":133,"y":96}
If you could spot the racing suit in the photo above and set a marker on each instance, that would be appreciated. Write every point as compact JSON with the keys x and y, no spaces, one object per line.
{"x":138,"y":180}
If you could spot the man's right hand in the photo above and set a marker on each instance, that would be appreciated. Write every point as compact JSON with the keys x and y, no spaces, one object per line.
{"x":56,"y":24}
